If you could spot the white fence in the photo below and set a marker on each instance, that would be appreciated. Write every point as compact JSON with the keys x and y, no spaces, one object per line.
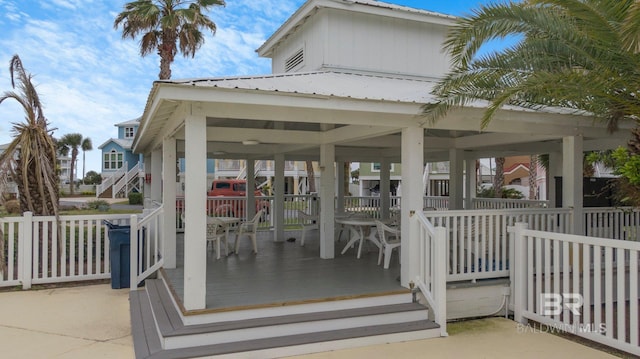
{"x":584,"y":285}
{"x":501,"y":203}
{"x":614,"y":223}
{"x":38,"y":250}
{"x":478,"y":245}
{"x":432,"y":273}
{"x":147,"y":254}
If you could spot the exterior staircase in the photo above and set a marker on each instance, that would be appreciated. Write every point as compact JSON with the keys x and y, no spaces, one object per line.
{"x":121,"y":183}
{"x":160,"y":330}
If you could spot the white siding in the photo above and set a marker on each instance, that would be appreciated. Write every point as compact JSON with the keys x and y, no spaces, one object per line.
{"x":335,"y":38}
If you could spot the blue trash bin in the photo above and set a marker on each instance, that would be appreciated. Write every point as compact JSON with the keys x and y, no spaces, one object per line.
{"x":120,"y":255}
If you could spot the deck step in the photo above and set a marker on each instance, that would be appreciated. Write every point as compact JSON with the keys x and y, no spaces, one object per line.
{"x":169,"y":337}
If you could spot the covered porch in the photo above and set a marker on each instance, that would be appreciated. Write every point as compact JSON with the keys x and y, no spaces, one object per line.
{"x":301,"y":117}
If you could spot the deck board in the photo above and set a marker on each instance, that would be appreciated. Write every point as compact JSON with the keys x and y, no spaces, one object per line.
{"x":285,"y":272}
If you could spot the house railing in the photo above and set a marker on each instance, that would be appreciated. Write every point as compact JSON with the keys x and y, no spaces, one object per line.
{"x":500,"y":203}
{"x":614,"y":223}
{"x":478,"y":245}
{"x":583,"y":285}
{"x":432,"y":274}
{"x":39,"y":250}
{"x":438,"y":202}
{"x":147,"y":254}
{"x":125,"y":180}
{"x":109,"y":181}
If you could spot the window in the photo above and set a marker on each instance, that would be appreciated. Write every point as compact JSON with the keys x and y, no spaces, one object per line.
{"x":375,"y":167}
{"x":113,"y":160}
{"x":223,"y":185}
{"x":129,"y":132}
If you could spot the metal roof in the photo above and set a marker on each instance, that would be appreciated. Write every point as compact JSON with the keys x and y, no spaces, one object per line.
{"x":125,"y":144}
{"x":135,"y":121}
{"x":328,"y":83}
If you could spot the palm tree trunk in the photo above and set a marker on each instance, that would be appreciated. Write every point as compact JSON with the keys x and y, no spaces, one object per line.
{"x":498,"y":181}
{"x":533,"y":176}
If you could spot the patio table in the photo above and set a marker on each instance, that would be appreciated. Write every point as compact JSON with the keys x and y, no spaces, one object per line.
{"x":356,"y":228}
{"x":226,"y":223}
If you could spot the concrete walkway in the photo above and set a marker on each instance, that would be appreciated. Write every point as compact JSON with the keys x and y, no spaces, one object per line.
{"x":93,"y":322}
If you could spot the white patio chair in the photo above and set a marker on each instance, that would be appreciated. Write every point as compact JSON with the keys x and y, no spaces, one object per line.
{"x":249,"y":228}
{"x":216,"y":233}
{"x":389,"y":239}
{"x":307,"y":222}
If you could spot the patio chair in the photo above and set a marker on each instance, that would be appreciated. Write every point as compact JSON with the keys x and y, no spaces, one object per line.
{"x":389,"y":239}
{"x":249,"y":228}
{"x":307,"y":222}
{"x":216,"y":233}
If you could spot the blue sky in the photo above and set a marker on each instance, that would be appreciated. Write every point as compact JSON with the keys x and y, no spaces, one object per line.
{"x":90,"y":79}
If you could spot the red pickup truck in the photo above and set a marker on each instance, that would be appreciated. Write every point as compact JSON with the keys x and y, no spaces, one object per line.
{"x":225,"y":199}
{"x":232,"y":207}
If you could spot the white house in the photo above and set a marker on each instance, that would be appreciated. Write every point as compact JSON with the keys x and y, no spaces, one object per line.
{"x":349,"y":80}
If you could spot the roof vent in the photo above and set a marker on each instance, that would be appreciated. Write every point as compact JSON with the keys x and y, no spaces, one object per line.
{"x":294,"y":61}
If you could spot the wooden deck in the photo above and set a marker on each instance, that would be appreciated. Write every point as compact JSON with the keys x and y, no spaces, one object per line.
{"x":286,"y":273}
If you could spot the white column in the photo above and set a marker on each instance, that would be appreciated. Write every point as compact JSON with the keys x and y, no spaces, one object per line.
{"x":554,"y":170}
{"x":251,"y":185}
{"x":411,"y":201}
{"x":456,"y":167}
{"x":169,"y":201}
{"x":470,"y":183}
{"x":385,"y":184}
{"x":156,"y":175}
{"x":340,"y":186}
{"x":195,"y":232}
{"x":327,"y":198}
{"x":147,"y":171}
{"x":278,"y":201}
{"x":572,"y":163}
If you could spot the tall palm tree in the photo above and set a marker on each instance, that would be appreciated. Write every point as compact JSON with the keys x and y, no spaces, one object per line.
{"x":34,"y":167}
{"x":498,"y":180}
{"x":167,"y":27}
{"x":71,"y":143}
{"x":580,"y":54}
{"x":86,"y":145}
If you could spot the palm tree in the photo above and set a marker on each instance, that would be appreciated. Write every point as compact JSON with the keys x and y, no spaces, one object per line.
{"x":71,"y":143}
{"x":498,"y":180}
{"x":34,"y":167}
{"x":581,"y":55}
{"x":167,"y":27}
{"x":30,"y":159}
{"x":86,"y":145}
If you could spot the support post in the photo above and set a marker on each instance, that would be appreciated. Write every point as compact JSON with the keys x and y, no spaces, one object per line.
{"x":519,"y":263}
{"x":156,"y":175}
{"x":278,"y":200}
{"x":412,"y":166}
{"x":251,"y":188}
{"x":25,"y":248}
{"x":572,"y":163}
{"x":456,"y":172}
{"x":169,"y":160}
{"x":340,"y":186}
{"x":327,"y":198}
{"x":385,"y":187}
{"x":470,"y":183}
{"x":195,"y":232}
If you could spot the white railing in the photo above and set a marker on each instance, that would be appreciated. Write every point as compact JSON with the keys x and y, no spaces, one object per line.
{"x":583,"y":285}
{"x":478,"y":245}
{"x":501,"y":203}
{"x":438,"y":202}
{"x":39,"y":250}
{"x":235,"y":207}
{"x":369,"y":205}
{"x":110,"y":180}
{"x":613,"y":223}
{"x":125,"y":180}
{"x":146,"y":245}
{"x":432,"y":273}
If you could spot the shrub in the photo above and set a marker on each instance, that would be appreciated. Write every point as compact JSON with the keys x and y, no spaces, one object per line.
{"x":135,"y":198}
{"x":100,"y":205}
{"x":12,"y":206}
